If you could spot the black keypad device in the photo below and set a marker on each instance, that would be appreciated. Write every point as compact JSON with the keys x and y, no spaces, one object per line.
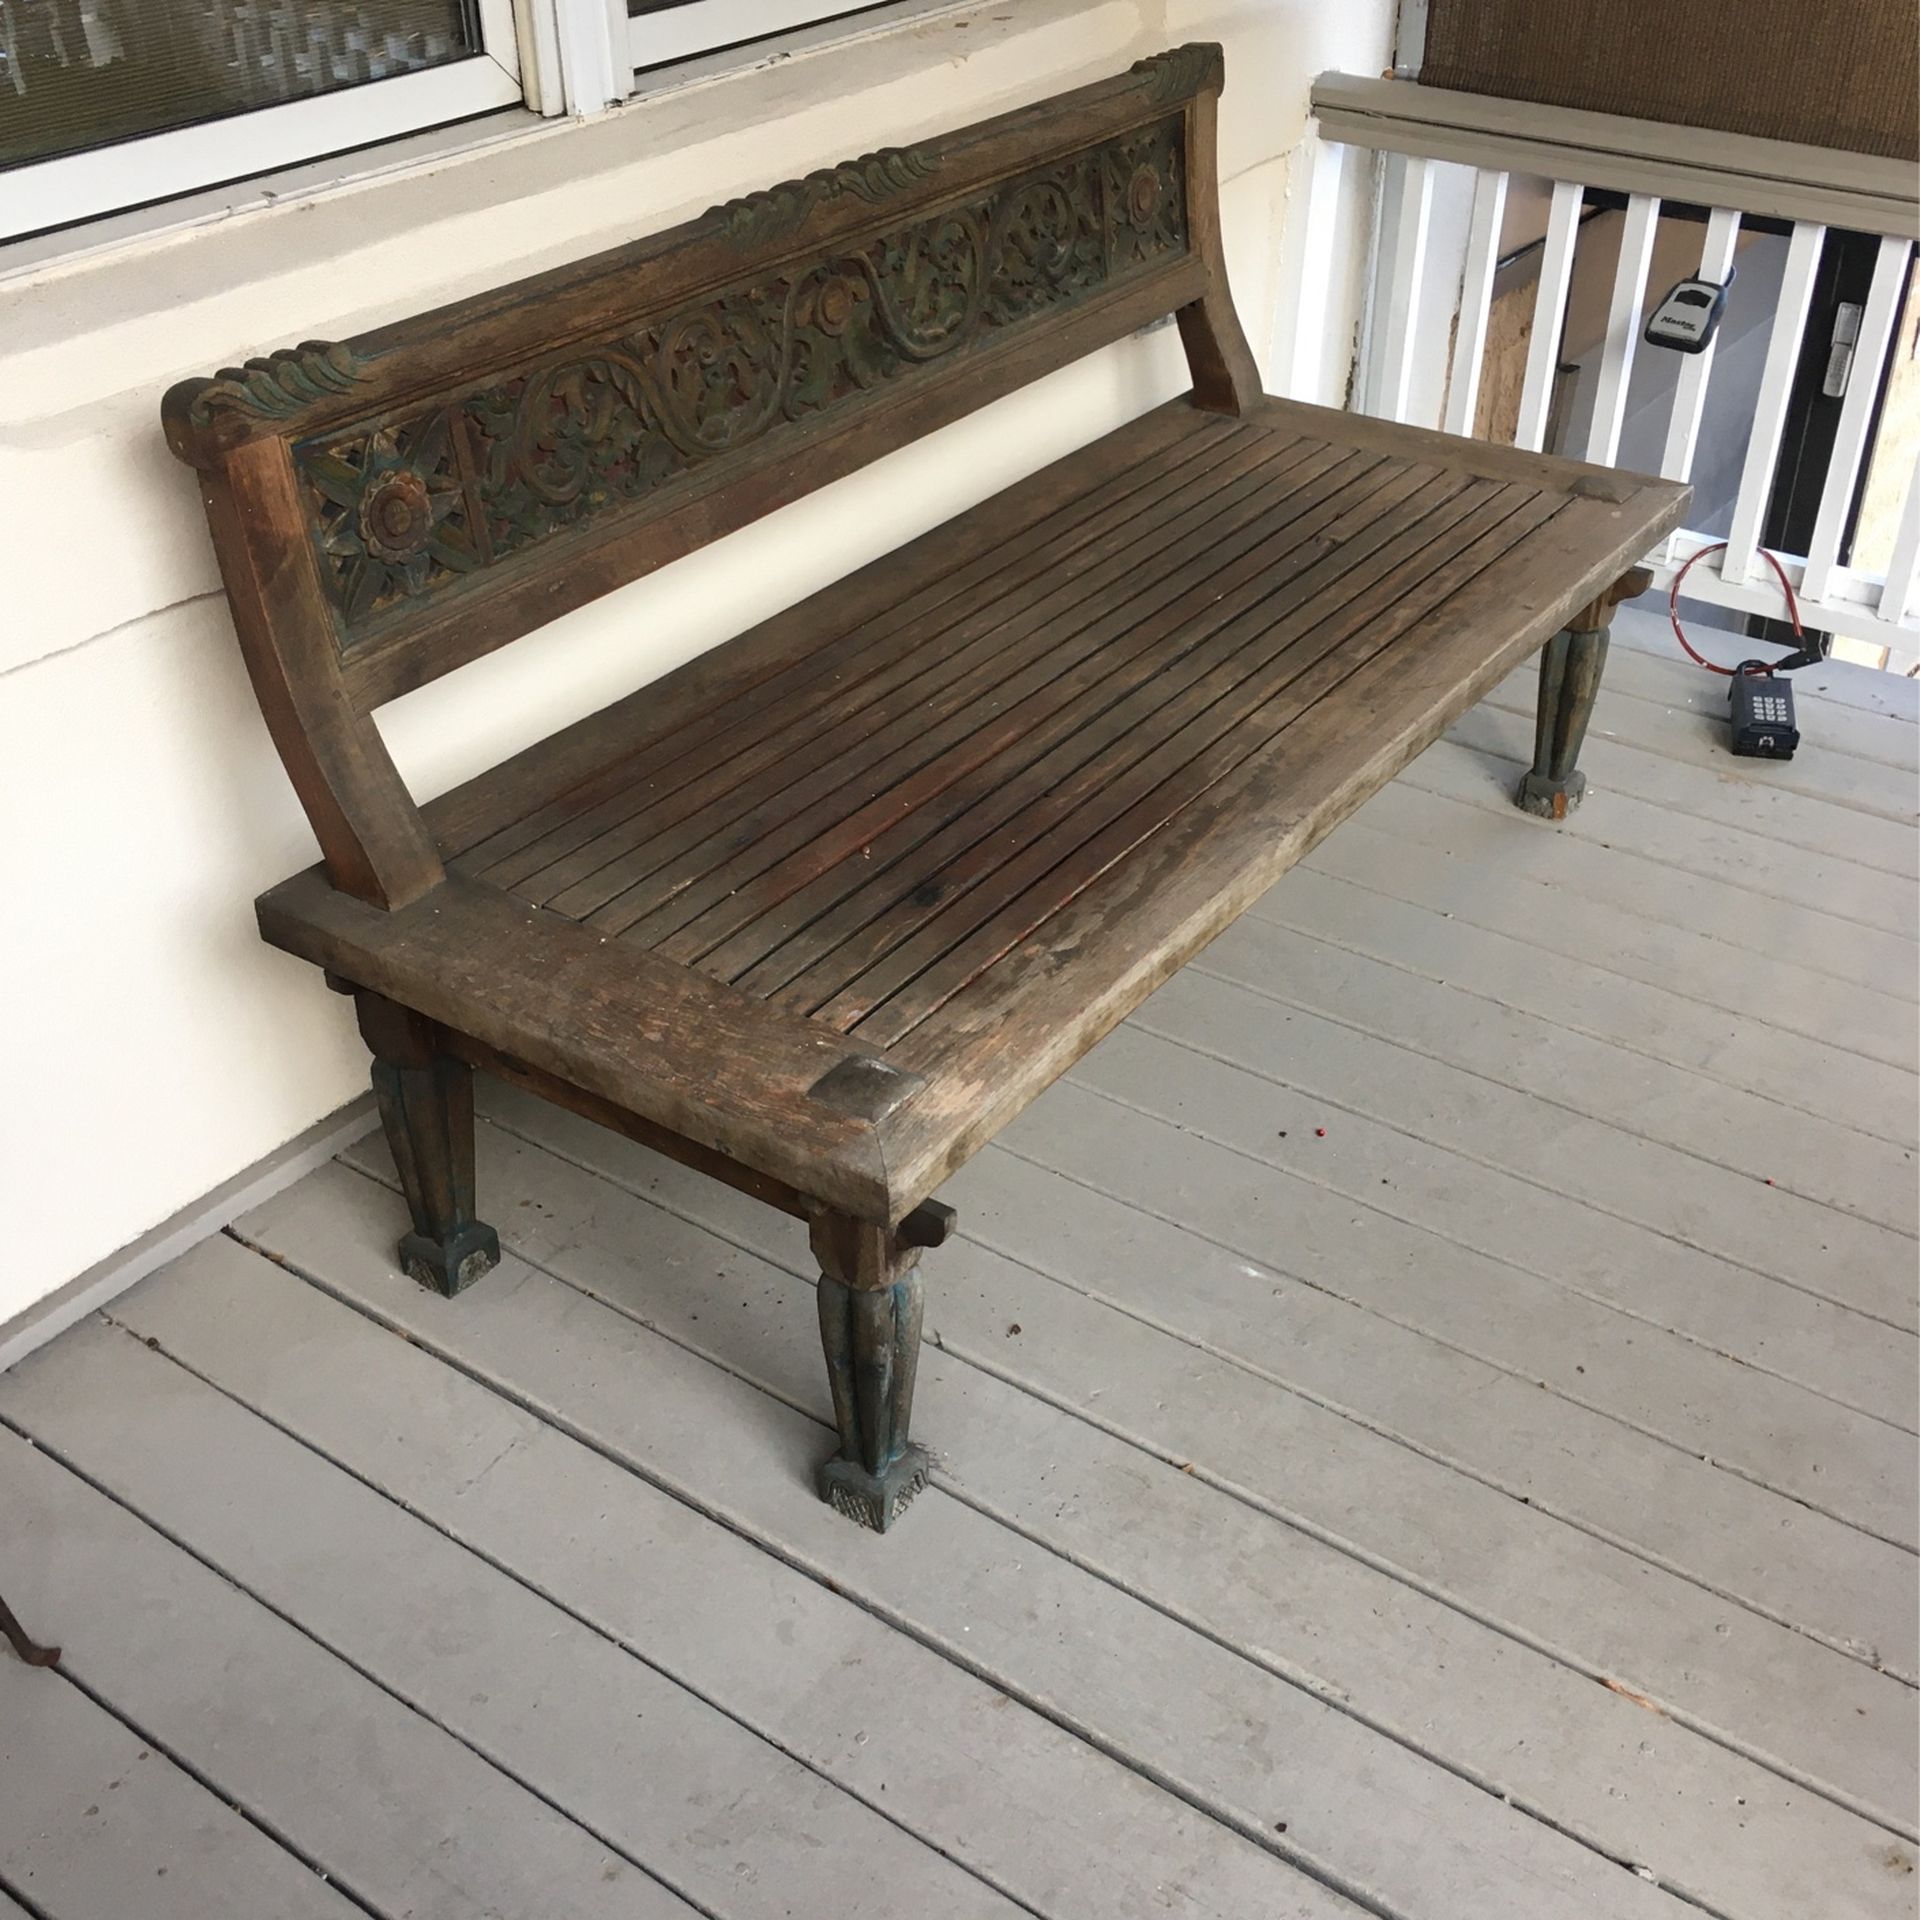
{"x":1761,"y":709}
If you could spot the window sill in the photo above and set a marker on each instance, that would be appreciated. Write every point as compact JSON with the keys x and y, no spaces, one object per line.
{"x":330,"y":249}
{"x":434,"y":146}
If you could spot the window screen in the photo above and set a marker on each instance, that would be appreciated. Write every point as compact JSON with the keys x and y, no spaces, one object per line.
{"x":77,"y":74}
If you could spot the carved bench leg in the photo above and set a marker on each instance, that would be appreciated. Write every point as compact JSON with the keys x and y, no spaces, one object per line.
{"x":1570,"y":669}
{"x":426,"y":1105}
{"x":870,"y":1304}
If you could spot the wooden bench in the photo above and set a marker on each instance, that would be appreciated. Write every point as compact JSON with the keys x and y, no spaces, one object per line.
{"x":821,"y":911}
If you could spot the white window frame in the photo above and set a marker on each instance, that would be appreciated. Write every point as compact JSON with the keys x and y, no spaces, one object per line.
{"x":552,"y":56}
{"x":700,"y":26}
{"x":157,"y":166}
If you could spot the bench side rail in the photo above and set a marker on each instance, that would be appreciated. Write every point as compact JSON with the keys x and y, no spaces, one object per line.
{"x":387,"y":508}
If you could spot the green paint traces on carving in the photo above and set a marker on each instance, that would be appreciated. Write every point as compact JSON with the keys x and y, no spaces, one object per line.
{"x":406,"y":505}
{"x":760,"y":217}
{"x":279,"y":383}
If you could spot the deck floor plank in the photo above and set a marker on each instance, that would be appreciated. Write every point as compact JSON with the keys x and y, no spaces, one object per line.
{"x":1306,"y":1602}
{"x":1565,"y":1157}
{"x":1498,"y":1507}
{"x":1656,"y":755}
{"x":1112,"y":1201}
{"x":385,"y":1801}
{"x":1833,"y":1164}
{"x":1448,"y":802}
{"x":95,"y":1824}
{"x":1463,"y":1197}
{"x":739,"y":1828}
{"x":1225,"y":1734}
{"x":1506,"y":1561}
{"x":1028,"y":1806}
{"x":1465,"y":875}
{"x":1723,"y":1044}
{"x":1482,"y":757}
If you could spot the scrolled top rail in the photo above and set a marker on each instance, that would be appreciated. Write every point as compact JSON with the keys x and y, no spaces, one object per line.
{"x":292,"y":389}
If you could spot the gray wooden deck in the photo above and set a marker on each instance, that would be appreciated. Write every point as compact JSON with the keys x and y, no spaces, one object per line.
{"x":1426,"y":1417}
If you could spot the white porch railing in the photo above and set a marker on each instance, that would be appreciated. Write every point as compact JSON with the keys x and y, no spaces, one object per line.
{"x":1418,"y":287}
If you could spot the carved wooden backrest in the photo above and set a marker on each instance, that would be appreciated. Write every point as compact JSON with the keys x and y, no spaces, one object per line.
{"x":392,"y":506}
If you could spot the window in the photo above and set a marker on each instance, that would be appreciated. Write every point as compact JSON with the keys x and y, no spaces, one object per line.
{"x":665,"y":30}
{"x":109,"y":104}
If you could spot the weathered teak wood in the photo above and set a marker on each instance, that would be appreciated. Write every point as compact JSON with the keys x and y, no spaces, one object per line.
{"x":822,"y":910}
{"x":1570,"y":668}
{"x":870,"y":1303}
{"x":425,"y":1095}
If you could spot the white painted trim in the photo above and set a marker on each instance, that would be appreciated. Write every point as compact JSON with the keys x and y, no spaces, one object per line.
{"x":1549,"y":315}
{"x":700,"y":26}
{"x":86,"y":246}
{"x":1393,"y":337}
{"x":1623,"y":327}
{"x":1770,"y":407}
{"x":1849,"y":605}
{"x":537,"y":31}
{"x":1476,"y":300}
{"x":422,"y":151}
{"x":595,"y":71}
{"x":831,"y":37}
{"x":1903,"y":566}
{"x":82,"y":186}
{"x":251,"y":1187}
{"x":1309,"y":250}
{"x":1856,"y":413}
{"x":1690,"y":381}
{"x":1781,"y":178}
{"x":500,"y":34}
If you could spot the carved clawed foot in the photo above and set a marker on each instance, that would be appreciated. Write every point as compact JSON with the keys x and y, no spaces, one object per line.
{"x":1570,"y":669}
{"x":870,"y":1308}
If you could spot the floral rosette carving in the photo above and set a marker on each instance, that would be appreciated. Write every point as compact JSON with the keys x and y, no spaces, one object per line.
{"x":390,"y":506}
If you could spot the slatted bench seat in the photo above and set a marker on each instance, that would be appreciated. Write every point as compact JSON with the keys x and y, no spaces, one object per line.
{"x":822,"y":910}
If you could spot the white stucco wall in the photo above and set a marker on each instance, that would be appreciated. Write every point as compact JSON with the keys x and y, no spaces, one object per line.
{"x":153,"y":1047}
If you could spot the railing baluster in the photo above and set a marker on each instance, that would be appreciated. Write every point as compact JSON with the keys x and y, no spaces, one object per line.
{"x":1410,"y":185}
{"x":1312,"y":272}
{"x":1770,"y":409}
{"x":1476,"y":300}
{"x":1856,"y":415}
{"x":1549,"y":315}
{"x":1623,"y":327}
{"x":1690,"y":379}
{"x":1903,"y":568}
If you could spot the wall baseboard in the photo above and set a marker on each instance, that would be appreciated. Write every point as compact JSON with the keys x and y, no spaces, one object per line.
{"x":108,"y":1279}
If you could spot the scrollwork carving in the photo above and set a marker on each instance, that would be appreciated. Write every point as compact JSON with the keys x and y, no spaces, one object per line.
{"x":1181,"y":72}
{"x":279,"y":383}
{"x":404,"y":507}
{"x":757,"y":218}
